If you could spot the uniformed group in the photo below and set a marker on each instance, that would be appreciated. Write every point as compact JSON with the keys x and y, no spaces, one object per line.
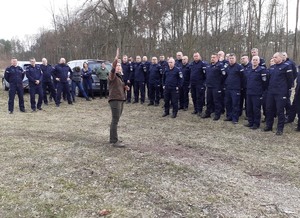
{"x":59,"y":81}
{"x":223,"y":86}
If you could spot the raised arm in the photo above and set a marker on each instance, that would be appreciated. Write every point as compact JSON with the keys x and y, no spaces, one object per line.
{"x":112,"y":73}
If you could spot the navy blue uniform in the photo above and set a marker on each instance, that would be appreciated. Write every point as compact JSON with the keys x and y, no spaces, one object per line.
{"x":14,"y":76}
{"x":33,"y":74}
{"x":172,"y":81}
{"x":197,"y":81}
{"x":127,"y":69}
{"x":164,"y":66}
{"x":295,"y":108}
{"x":87,"y":81}
{"x":155,"y":74}
{"x":243,"y":102}
{"x":281,"y":80}
{"x":214,"y":82}
{"x":146,"y":67}
{"x":233,"y":86}
{"x":139,"y":82}
{"x":178,"y":63}
{"x":62,"y":72}
{"x":47,"y":82}
{"x":256,"y":84}
{"x":184,"y":91}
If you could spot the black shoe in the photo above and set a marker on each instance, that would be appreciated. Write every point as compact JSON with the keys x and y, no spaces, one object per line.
{"x":227,"y":119}
{"x":93,"y":97}
{"x":267,"y":129}
{"x":142,"y":102}
{"x":234,"y":122}
{"x":248,"y":125}
{"x":263,"y":120}
{"x":254,"y":127}
{"x":33,"y":110}
{"x":105,"y":97}
{"x":101,"y":97}
{"x":88,"y":99}
{"x":135,"y":102}
{"x":194,"y":112}
{"x":40,"y":108}
{"x":297,"y":129}
{"x":216,"y":118}
{"x":174,"y":116}
{"x":57,"y":105}
{"x":199,"y":114}
{"x":70,"y":102}
{"x":128,"y":102}
{"x":181,"y":108}
{"x":10,"y":112}
{"x":45,"y":103}
{"x":288,"y":121}
{"x":205,"y":116}
{"x":156,"y":104}
{"x":185,"y":109}
{"x":165,"y":114}
{"x":279,"y":132}
{"x":150,"y":104}
{"x":22,"y":110}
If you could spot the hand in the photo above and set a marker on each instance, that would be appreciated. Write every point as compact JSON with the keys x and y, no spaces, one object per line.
{"x":68,"y":79}
{"x":127,"y":88}
{"x":117,"y":53}
{"x":57,"y":79}
{"x":37,"y":82}
{"x":128,"y":81}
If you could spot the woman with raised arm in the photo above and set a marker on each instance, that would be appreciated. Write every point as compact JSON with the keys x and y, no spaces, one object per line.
{"x":116,"y":99}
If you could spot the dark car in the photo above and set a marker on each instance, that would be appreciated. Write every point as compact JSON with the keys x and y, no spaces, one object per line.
{"x":94,"y":64}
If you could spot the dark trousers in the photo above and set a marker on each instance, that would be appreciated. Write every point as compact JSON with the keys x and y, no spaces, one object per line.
{"x":198,"y":94}
{"x":88,"y":87}
{"x":171,"y":95}
{"x":154,"y":93}
{"x":243,"y":102}
{"x":33,"y":90}
{"x":232,"y":103}
{"x":13,"y":90}
{"x":288,"y":102}
{"x":48,"y":86}
{"x":129,"y":92}
{"x":79,"y":85}
{"x":295,"y":108}
{"x":185,"y":96}
{"x":275,"y":106}
{"x":63,"y":87}
{"x":264,"y":102}
{"x":103,"y":87}
{"x":139,"y":87}
{"x":214,"y":101}
{"x":254,"y":103}
{"x":116,"y":112}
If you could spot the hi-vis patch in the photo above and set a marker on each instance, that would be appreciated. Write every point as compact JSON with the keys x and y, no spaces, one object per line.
{"x":180,"y":75}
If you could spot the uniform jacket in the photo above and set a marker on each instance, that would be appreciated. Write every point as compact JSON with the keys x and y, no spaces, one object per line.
{"x":215,"y":75}
{"x":155,"y":74}
{"x":197,"y":73}
{"x":63,"y":72}
{"x":47,"y":72}
{"x":33,"y":74}
{"x":173,"y":78}
{"x":256,"y":81}
{"x":234,"y":77}
{"x":14,"y":75}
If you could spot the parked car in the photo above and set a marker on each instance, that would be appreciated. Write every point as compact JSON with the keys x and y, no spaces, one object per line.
{"x":94,"y":64}
{"x":24,"y":65}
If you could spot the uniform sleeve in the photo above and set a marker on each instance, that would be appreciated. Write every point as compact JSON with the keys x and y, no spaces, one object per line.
{"x":180,"y":78}
{"x":28,"y":74}
{"x":290,"y":76}
{"x":6,"y":74}
{"x":41,"y":77}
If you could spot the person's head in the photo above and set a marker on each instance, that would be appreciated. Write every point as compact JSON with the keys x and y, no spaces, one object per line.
{"x":278,"y":58}
{"x":77,"y":69}
{"x":85,"y":65}
{"x":14,"y":62}
{"x":103,"y":65}
{"x":254,"y":52}
{"x":285,"y":56}
{"x":227,"y":57}
{"x":179,"y":55}
{"x":125,"y":59}
{"x":130,"y":59}
{"x":145,"y":58}
{"x":154,"y":60}
{"x":232,"y":59}
{"x":185,"y":60}
{"x":161,"y":58}
{"x":171,"y":63}
{"x":62,"y":61}
{"x":255,"y":61}
{"x":272,"y":62}
{"x":221,"y":55}
{"x":244,"y":59}
{"x":44,"y":61}
{"x":119,"y":68}
{"x":214,"y":58}
{"x":197,"y":56}
{"x":32,"y":61}
{"x":138,"y":59}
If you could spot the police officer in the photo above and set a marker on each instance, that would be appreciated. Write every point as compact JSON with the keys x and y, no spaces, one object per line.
{"x":197,"y":80}
{"x":178,"y":62}
{"x":47,"y":82}
{"x":127,"y":69}
{"x":62,"y":74}
{"x":14,"y":75}
{"x":254,"y":52}
{"x":281,"y":79}
{"x":233,"y":84}
{"x":256,"y":84}
{"x":35,"y":78}
{"x":223,"y":59}
{"x":214,"y":83}
{"x":155,"y":74}
{"x":146,"y":65}
{"x":172,"y":81}
{"x":139,"y":80}
{"x":184,"y":91}
{"x":247,"y":67}
{"x":164,"y":65}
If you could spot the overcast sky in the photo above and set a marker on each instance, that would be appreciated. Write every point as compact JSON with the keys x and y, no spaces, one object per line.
{"x":26,"y":17}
